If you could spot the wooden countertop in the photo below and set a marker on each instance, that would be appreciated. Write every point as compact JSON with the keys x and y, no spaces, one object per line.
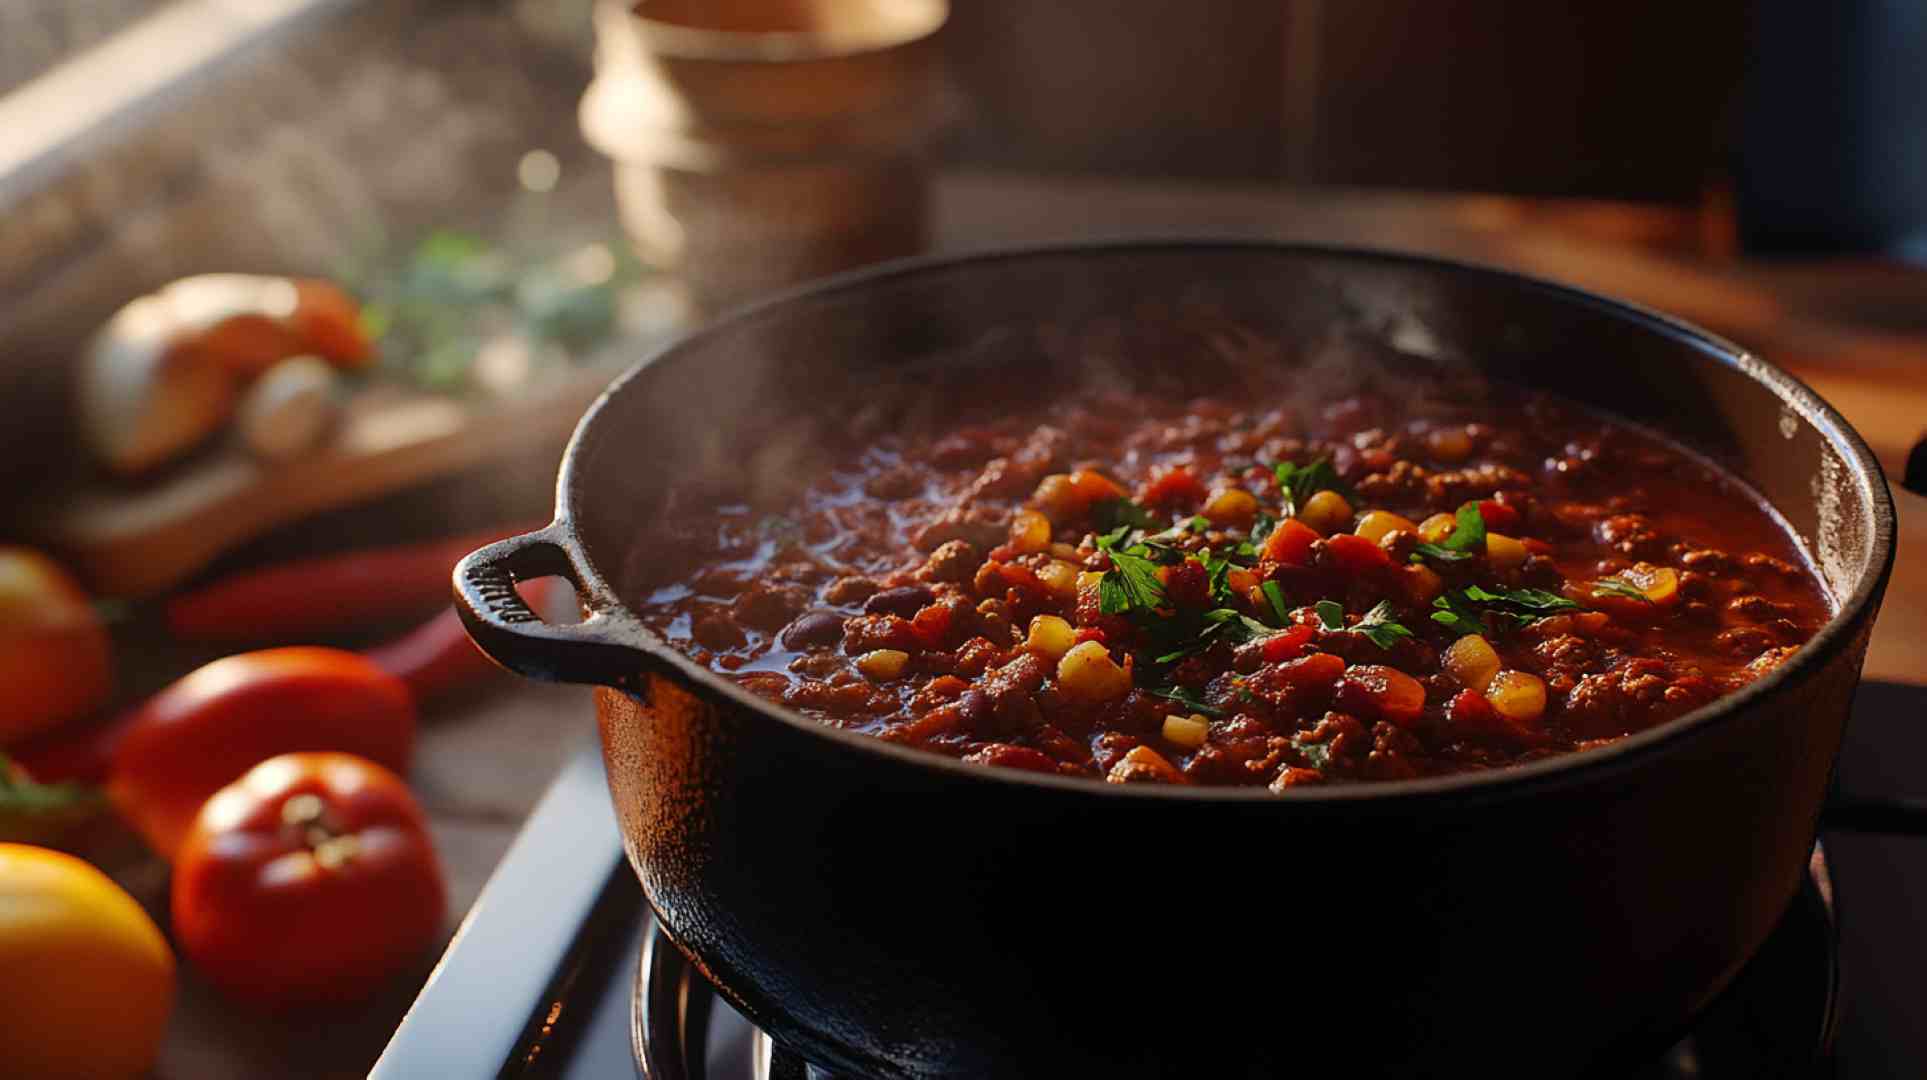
{"x":1842,"y":327}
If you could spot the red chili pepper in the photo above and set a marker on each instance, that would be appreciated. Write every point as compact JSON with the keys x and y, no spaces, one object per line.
{"x":1090,"y":633}
{"x":432,"y":659}
{"x":335,"y":592}
{"x":1498,"y":516}
{"x":1355,"y":554}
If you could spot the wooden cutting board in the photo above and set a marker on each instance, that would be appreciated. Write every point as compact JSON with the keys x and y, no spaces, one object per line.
{"x":136,"y":540}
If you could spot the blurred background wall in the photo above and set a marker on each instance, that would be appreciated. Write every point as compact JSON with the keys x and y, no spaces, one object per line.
{"x":1625,"y":100}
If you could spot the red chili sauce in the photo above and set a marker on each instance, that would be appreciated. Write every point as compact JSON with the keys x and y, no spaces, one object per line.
{"x":1220,"y":591}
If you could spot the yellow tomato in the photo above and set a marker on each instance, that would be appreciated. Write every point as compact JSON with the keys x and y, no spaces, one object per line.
{"x":89,"y":978}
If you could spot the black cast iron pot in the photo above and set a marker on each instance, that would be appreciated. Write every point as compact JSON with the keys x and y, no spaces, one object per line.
{"x":897,"y":914}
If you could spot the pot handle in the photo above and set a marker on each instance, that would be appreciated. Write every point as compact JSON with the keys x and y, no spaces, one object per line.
{"x":595,"y":651}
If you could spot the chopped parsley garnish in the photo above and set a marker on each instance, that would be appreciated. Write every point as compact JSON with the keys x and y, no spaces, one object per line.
{"x":1179,"y":530}
{"x":1275,"y":596}
{"x":1331,"y":613}
{"x":1456,"y":613}
{"x":1217,"y":570}
{"x":1131,"y":585}
{"x":1112,"y":513}
{"x":1467,"y":539}
{"x":1538,"y":601}
{"x":1261,"y":528}
{"x":1188,"y":698}
{"x":1474,"y":609}
{"x":1182,"y":636}
{"x":1625,"y":590}
{"x":1378,"y":625}
{"x":1299,"y":484}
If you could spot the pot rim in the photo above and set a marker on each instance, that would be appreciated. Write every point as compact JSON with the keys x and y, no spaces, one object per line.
{"x":1511,"y":780}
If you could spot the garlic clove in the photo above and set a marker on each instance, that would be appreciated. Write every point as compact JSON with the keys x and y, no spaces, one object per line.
{"x":290,"y":408}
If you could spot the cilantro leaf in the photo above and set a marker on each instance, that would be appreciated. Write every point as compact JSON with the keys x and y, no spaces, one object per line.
{"x":1131,"y":585}
{"x":1378,"y":625}
{"x":1275,"y":596}
{"x":1331,"y":613}
{"x":1298,"y":484}
{"x":1467,"y":539}
{"x":1188,"y":698}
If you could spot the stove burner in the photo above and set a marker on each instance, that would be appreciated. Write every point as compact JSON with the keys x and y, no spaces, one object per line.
{"x":1775,"y":1022}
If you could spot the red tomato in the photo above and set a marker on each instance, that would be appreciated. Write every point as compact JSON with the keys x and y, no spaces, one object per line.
{"x":1290,"y":543}
{"x":1356,"y":555}
{"x":309,"y":880}
{"x":200,"y":733}
{"x":1498,"y":517}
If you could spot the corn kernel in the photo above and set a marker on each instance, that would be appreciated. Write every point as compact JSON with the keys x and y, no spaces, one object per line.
{"x":1088,"y":580}
{"x":1422,"y":584}
{"x":1376,"y":524}
{"x":1326,"y":511}
{"x":1057,"y":497}
{"x":1449,"y":444}
{"x":1029,"y":532}
{"x":1050,"y":637}
{"x":1061,"y":550}
{"x":882,"y":665}
{"x":1435,"y":529}
{"x":1087,"y":673}
{"x":1186,"y":731}
{"x":1060,"y":578}
{"x":1472,"y":661}
{"x":1504,"y":552}
{"x":1517,"y":695}
{"x":1231,"y":506}
{"x":1659,"y":583}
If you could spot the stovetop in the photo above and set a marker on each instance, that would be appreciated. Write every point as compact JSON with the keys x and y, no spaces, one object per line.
{"x":560,"y":972}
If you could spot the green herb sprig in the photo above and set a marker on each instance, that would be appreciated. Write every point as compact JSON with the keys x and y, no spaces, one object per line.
{"x":1467,"y":539}
{"x":1299,"y":483}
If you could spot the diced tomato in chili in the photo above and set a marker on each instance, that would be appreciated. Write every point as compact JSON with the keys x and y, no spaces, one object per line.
{"x":1355,"y":554}
{"x":1175,"y":487}
{"x":1290,"y":543}
{"x":1498,"y":516}
{"x":1287,"y":645}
